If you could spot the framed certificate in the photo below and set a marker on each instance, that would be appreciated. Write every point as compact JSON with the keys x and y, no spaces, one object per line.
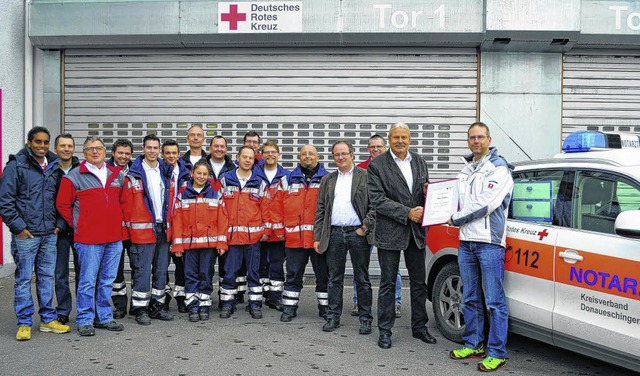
{"x":440,"y":202}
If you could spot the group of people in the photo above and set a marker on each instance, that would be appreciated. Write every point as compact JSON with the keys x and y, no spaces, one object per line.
{"x":249,"y":215}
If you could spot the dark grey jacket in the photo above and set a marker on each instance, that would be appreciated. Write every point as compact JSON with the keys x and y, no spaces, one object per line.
{"x":390,"y":196}
{"x":359,"y":200}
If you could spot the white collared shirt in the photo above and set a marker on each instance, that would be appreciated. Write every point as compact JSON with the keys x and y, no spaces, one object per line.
{"x":174,"y":175}
{"x":155,"y":187}
{"x":100,"y":172}
{"x":216,"y":167}
{"x":405,"y":168}
{"x":343,"y":213}
{"x":271,"y":174}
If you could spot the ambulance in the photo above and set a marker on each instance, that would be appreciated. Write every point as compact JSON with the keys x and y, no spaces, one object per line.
{"x":572,"y":261}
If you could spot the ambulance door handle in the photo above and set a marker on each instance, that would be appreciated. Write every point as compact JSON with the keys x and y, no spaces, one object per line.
{"x":571,"y":256}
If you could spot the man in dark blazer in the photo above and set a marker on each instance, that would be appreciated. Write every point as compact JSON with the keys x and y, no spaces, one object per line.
{"x":396,"y":181}
{"x":343,"y":220}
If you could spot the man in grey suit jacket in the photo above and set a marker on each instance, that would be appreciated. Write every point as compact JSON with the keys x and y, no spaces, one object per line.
{"x":343,"y":220}
{"x":396,"y":182}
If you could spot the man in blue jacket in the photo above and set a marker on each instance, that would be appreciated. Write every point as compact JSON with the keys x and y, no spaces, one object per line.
{"x":27,"y":206}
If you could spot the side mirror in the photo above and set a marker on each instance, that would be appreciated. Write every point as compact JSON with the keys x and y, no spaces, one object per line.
{"x":628,"y":224}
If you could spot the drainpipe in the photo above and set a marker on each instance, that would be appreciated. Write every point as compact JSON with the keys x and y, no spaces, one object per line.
{"x":28,"y":74}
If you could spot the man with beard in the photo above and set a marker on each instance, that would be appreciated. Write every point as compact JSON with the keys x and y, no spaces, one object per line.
{"x":300,"y":199}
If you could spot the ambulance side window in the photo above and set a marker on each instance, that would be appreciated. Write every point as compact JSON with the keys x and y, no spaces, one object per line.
{"x":600,"y":197}
{"x":542,"y":197}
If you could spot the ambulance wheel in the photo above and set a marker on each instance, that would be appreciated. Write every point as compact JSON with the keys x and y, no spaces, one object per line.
{"x":447,"y":302}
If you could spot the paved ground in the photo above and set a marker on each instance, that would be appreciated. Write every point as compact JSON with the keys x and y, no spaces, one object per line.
{"x":243,"y":346}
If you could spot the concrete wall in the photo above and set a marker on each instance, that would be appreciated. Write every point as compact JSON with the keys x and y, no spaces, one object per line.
{"x":12,"y":84}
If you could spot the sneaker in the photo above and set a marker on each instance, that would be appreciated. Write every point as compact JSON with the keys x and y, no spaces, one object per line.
{"x":354,"y":311}
{"x":24,"y":333}
{"x":226,"y":312}
{"x":490,"y":364}
{"x":194,"y":316}
{"x":63,"y":319}
{"x":365,"y":327}
{"x":466,"y":353}
{"x":54,"y":327}
{"x":143,"y":318}
{"x":398,"y":311}
{"x":111,"y":326}
{"x":86,"y":331}
{"x":256,"y":312}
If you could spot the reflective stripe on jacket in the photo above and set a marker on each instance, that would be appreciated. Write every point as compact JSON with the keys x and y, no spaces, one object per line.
{"x":246,"y":207}
{"x":137,"y":209}
{"x":92,"y":210}
{"x":199,"y":220}
{"x":299,"y":204}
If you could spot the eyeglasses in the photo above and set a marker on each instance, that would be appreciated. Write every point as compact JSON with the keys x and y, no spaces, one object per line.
{"x":340,"y":155}
{"x":479,"y":138}
{"x":94,"y":148}
{"x":270,"y":152}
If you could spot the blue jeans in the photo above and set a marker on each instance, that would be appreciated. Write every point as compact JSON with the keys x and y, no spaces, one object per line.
{"x":339,"y":244}
{"x":98,"y":269}
{"x":63,"y":291}
{"x":483,"y":263}
{"x":398,"y":288}
{"x":38,"y":252}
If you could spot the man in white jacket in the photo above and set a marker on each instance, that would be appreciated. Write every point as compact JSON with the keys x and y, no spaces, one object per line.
{"x":485,"y":185}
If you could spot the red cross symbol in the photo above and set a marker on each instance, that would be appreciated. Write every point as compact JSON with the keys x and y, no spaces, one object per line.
{"x":233,"y":17}
{"x":542,"y":234}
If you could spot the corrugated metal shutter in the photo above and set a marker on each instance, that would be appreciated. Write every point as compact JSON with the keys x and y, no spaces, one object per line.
{"x":294,"y":96}
{"x":601,"y":91}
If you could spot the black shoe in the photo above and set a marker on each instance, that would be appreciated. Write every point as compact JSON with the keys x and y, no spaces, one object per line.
{"x":226,"y":312}
{"x":143,"y":318}
{"x":182,"y":308}
{"x":365,"y":327}
{"x":63,"y":319}
{"x":167,"y":300}
{"x":256,"y":312}
{"x":247,"y":308}
{"x":194,"y":316}
{"x":424,"y":336}
{"x":161,"y":315}
{"x":322,"y":311}
{"x":203,"y":313}
{"x":331,"y":325}
{"x":240,"y":298}
{"x":288,"y":313}
{"x":354,"y":311}
{"x":275,"y":304}
{"x":111,"y":326}
{"x":86,"y":331}
{"x":118,"y":313}
{"x":384,"y":341}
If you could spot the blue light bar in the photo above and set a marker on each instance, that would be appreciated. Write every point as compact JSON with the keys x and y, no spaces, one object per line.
{"x":582,"y":141}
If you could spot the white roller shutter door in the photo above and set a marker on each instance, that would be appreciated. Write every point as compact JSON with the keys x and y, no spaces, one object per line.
{"x":293,"y":96}
{"x":601,"y":91}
